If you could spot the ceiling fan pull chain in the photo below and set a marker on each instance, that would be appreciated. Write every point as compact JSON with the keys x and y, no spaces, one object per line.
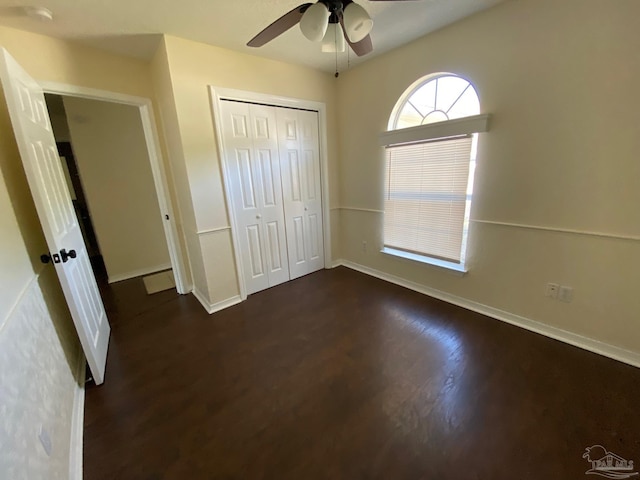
{"x":335,"y":40}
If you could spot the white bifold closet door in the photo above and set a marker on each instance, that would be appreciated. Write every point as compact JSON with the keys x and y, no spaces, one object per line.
{"x":300,"y":167}
{"x":273,"y":163}
{"x":251,"y":150}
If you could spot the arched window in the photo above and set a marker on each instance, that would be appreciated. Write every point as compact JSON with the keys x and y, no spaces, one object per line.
{"x":430,"y":146}
{"x":437,"y":98}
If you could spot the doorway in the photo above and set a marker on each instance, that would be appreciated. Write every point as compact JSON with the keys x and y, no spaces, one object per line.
{"x":106,"y":164}
{"x":126,"y":220}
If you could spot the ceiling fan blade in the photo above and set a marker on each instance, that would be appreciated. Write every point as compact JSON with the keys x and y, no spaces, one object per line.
{"x":360,"y":48}
{"x":280,"y":26}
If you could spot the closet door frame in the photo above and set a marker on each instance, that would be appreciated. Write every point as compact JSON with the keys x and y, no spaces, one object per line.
{"x":219,"y":94}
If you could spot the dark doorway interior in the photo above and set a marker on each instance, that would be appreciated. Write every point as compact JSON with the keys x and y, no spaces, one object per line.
{"x":81,"y":208}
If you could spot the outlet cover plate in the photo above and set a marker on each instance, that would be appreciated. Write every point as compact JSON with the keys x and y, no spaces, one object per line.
{"x":565,"y":294}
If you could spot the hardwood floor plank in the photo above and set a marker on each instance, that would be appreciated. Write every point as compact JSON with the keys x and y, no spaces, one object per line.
{"x":338,"y":375}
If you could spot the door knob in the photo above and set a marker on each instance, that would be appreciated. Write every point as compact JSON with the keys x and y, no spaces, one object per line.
{"x":258,"y":217}
{"x":67,"y":255}
{"x":305,"y":209}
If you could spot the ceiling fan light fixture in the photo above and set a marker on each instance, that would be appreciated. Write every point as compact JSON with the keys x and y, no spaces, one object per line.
{"x":313,"y":23}
{"x":357,"y":22}
{"x":333,"y":40}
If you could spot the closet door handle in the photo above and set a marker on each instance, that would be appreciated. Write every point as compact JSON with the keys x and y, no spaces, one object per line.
{"x":305,"y":209}
{"x":258,"y":217}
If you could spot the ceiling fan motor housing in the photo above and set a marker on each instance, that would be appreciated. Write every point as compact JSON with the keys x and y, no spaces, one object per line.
{"x":336,"y":8}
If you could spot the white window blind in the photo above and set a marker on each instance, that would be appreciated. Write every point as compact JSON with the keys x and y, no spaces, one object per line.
{"x":426,"y":195}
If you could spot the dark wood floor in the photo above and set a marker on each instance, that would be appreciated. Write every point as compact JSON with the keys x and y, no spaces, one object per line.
{"x":341,"y":376}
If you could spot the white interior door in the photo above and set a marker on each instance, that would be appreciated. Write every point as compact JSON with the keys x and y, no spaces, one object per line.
{"x":251,"y":150}
{"x":301,"y":188}
{"x":32,"y":127}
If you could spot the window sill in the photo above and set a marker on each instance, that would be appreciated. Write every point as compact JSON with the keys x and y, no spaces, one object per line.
{"x":456,"y":268}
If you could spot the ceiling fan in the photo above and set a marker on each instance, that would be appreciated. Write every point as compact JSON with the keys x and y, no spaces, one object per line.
{"x":329,"y":21}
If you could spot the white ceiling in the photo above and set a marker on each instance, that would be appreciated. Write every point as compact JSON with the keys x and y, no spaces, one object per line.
{"x":132,"y":27}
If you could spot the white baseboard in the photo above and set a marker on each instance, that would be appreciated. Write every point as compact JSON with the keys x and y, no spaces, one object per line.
{"x":215,"y":307}
{"x":77,"y":423}
{"x":586,"y":343}
{"x":138,"y":273}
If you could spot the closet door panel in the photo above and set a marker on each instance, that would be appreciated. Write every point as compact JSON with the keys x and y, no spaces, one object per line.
{"x":312,"y":197}
{"x":292,"y":190}
{"x":300,"y":163}
{"x":246,"y":193}
{"x":252,"y":157}
{"x":265,"y":141}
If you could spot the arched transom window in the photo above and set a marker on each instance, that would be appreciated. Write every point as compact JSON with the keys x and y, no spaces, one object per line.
{"x":431,"y":145}
{"x":439,"y":98}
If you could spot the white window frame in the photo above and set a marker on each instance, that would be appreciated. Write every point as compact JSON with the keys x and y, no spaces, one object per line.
{"x":438,"y":130}
{"x":421,"y":133}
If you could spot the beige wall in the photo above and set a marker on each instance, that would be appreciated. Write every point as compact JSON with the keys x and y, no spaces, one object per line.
{"x":35,"y":326}
{"x":560,"y":79}
{"x":191,"y":67}
{"x":113,"y":161}
{"x":176,"y":168}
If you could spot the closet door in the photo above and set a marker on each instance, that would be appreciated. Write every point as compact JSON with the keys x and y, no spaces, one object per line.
{"x":300,"y":165}
{"x":251,"y":149}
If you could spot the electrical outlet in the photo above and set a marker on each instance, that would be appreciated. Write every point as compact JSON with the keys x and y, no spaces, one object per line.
{"x":565,"y":294}
{"x":552,"y":290}
{"x":45,"y":440}
{"x":364,"y":246}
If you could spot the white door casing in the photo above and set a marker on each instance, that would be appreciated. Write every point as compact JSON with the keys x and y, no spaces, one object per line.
{"x":37,"y":146}
{"x":251,"y":150}
{"x":302,"y":190}
{"x":169,"y":215}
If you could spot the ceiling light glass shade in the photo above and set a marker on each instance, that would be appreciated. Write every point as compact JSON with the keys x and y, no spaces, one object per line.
{"x":314,"y":22}
{"x":333,"y":40}
{"x":357,"y":22}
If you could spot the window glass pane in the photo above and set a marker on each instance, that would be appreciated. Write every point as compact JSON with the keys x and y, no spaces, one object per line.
{"x":466,"y":106}
{"x":424,"y":99}
{"x":442,"y":98}
{"x":435,"y":116}
{"x":408,"y":117}
{"x":449,"y":89}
